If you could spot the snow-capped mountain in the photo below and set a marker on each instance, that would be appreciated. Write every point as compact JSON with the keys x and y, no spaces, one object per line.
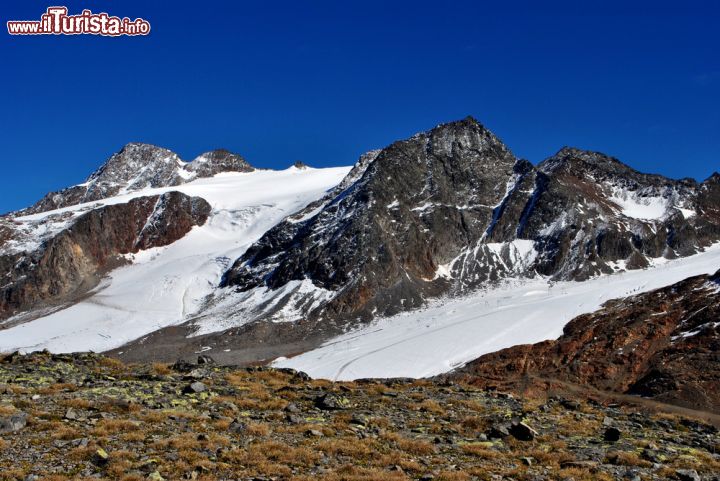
{"x":141,"y":166}
{"x":451,"y":210}
{"x":159,"y":257}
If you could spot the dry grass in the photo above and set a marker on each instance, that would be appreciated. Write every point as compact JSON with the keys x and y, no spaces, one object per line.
{"x":161,"y":369}
{"x":628,"y":459}
{"x":258,"y":429}
{"x":452,"y":476}
{"x":481,"y":450}
{"x":579,"y":474}
{"x":57,"y":388}
{"x":133,"y":436}
{"x":348,"y":446}
{"x":76,"y":403}
{"x":415,"y":446}
{"x":109,"y":427}
{"x":66,"y":433}
{"x":432,"y":406}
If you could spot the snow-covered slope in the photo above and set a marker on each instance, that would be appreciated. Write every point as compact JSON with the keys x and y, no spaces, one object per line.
{"x":450,"y":333}
{"x":165,"y":285}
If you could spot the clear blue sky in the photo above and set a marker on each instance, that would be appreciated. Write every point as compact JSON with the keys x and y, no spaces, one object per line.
{"x":324,"y":81}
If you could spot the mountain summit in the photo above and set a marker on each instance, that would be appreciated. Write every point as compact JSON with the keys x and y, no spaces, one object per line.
{"x":452,"y":209}
{"x":140,"y":166}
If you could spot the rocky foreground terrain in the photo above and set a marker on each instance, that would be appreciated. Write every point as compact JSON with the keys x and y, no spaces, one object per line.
{"x":87,"y":416}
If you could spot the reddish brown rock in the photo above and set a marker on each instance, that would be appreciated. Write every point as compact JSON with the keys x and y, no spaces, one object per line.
{"x":664,"y":344}
{"x":71,"y":262}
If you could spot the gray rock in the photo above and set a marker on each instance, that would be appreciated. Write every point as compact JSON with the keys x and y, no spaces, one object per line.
{"x":522,"y":431}
{"x":71,"y":414}
{"x":331,"y":402}
{"x":237,"y":427}
{"x":13,"y":423}
{"x":205,"y":359}
{"x":196,"y":387}
{"x":687,"y":475}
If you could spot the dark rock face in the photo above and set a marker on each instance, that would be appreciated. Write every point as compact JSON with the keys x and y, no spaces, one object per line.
{"x":380,"y":240}
{"x":138,"y":166}
{"x":452,"y":209}
{"x":663,"y":345}
{"x":71,"y":261}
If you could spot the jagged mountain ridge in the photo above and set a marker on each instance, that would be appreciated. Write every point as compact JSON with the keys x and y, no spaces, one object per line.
{"x":139,"y":166}
{"x":452,"y":209}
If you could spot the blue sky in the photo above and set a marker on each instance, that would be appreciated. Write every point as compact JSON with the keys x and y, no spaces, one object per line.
{"x":324,"y":81}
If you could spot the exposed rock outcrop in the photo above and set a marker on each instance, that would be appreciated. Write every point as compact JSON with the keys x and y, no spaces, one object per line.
{"x":71,"y":261}
{"x":664,"y":344}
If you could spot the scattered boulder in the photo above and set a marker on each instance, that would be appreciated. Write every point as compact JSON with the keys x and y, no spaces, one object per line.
{"x":196,"y":387}
{"x":687,"y":475}
{"x":237,"y":427}
{"x":292,"y":408}
{"x":499,"y":431}
{"x":294,"y":419}
{"x":13,"y":423}
{"x":359,"y":420}
{"x":204,"y":359}
{"x":522,"y":432}
{"x":100,"y":457}
{"x":331,"y":402}
{"x":155,"y":476}
{"x":517,"y":429}
{"x":71,"y":414}
{"x":612,"y":434}
{"x":570,"y":404}
{"x":182,"y":365}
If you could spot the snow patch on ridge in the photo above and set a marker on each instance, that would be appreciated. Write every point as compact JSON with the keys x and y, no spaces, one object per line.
{"x":639,"y":207}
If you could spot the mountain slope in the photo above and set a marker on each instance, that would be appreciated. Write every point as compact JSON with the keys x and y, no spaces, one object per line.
{"x":452,"y":209}
{"x":159,"y":284}
{"x":662,"y":344}
{"x":70,"y":262}
{"x":451,"y":332}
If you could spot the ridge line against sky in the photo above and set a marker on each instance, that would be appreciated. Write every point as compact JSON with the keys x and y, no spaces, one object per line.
{"x":323,"y":82}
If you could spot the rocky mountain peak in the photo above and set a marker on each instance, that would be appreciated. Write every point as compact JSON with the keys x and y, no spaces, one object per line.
{"x":451,"y":209}
{"x":400,"y":212}
{"x":575,"y":160}
{"x":135,"y":166}
{"x":140,"y":166}
{"x":216,"y":161}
